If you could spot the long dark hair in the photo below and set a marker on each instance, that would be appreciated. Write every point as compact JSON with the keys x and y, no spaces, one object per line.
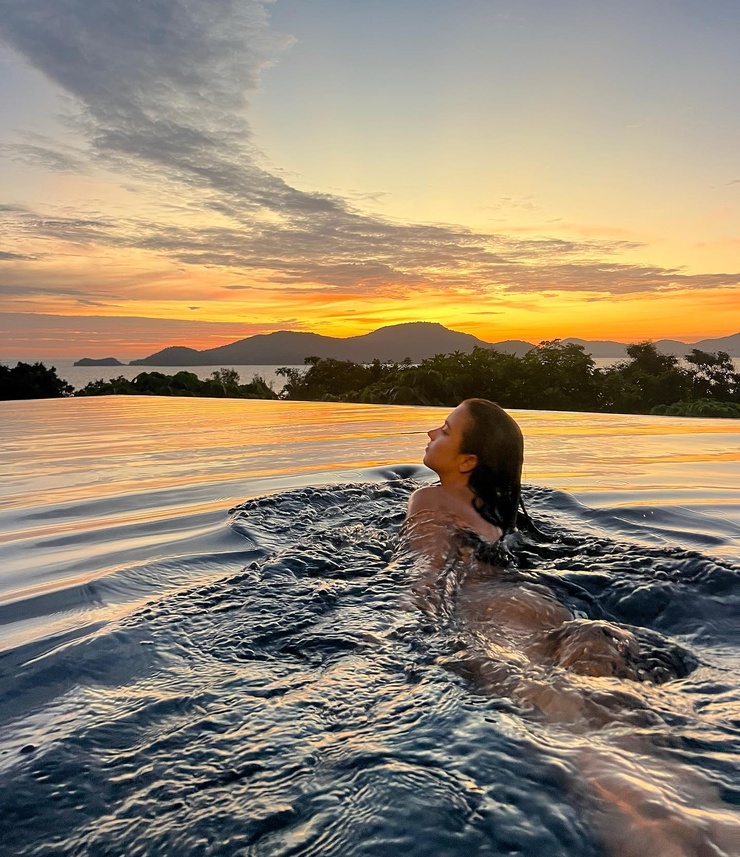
{"x":495,"y":438}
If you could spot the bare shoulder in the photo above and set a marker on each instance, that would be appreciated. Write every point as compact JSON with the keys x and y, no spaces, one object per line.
{"x":429,"y":498}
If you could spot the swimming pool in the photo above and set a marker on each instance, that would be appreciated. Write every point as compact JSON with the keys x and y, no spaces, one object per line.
{"x":205,"y":650}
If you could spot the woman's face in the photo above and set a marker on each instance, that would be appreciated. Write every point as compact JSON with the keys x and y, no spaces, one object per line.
{"x":443,"y":453}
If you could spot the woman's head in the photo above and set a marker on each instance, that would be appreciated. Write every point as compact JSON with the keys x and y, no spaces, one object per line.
{"x":496,"y":440}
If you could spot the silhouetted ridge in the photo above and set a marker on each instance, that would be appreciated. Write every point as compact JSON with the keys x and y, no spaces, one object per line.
{"x":417,"y":341}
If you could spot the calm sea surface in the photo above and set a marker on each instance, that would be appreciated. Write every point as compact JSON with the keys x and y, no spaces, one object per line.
{"x":206,"y":645}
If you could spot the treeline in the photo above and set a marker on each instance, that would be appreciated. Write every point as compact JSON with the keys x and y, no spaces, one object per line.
{"x":221,"y":384}
{"x":551,"y":376}
{"x":32,"y":381}
{"x":36,"y":381}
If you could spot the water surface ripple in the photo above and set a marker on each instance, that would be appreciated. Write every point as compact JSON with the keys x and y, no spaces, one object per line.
{"x":178,"y":678}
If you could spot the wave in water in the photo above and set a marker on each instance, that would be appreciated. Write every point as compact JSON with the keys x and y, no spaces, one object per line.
{"x":271,"y":692}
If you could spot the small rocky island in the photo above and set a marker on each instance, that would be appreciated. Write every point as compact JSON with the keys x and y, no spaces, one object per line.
{"x":103,"y":361}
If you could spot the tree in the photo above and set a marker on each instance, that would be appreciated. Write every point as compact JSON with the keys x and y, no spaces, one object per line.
{"x":647,"y":379}
{"x":32,"y":381}
{"x":227,"y":380}
{"x":713,"y":375}
{"x":327,"y":379}
{"x":119,"y":386}
{"x":221,"y":384}
{"x":559,"y":377}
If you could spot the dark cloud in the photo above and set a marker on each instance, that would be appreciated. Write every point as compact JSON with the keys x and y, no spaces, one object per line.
{"x":163,"y":87}
{"x":40,"y":151}
{"x":89,"y":302}
{"x":6,"y":256}
{"x":375,"y":257}
{"x":29,"y":224}
{"x":21,"y":290}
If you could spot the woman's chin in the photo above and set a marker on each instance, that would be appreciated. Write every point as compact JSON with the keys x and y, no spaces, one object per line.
{"x":428,"y":462}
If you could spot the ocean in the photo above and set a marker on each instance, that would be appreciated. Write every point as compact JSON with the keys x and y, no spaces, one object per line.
{"x":207,"y":648}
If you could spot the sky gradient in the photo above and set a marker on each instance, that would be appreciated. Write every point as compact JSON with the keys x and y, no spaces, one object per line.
{"x":196,"y":171}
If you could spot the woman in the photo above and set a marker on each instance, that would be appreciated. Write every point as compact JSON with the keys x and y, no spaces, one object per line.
{"x":477,"y":453}
{"x":514,"y":637}
{"x":459,"y":527}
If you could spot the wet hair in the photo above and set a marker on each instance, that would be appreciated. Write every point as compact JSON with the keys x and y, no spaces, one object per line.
{"x":496,"y":480}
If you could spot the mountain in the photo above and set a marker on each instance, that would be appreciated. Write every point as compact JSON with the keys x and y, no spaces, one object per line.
{"x":729,"y":344}
{"x":416,"y":340}
{"x":517,"y":347}
{"x":674,"y":347}
{"x":98,"y":361}
{"x":608,"y":348}
{"x":599,"y":347}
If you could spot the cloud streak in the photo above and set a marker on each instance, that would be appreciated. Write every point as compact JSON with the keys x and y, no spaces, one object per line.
{"x":162,"y":88}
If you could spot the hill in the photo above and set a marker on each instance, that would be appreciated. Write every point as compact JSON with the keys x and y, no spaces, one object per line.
{"x":99,"y":361}
{"x":729,"y":344}
{"x":417,"y":340}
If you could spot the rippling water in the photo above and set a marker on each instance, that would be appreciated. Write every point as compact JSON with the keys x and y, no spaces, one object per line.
{"x":206,"y":646}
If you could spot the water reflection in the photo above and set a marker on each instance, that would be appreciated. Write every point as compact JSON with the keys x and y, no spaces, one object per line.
{"x":88,"y":481}
{"x":173,"y":679}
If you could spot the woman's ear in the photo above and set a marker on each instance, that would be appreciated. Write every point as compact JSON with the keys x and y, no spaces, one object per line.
{"x":468,"y":462}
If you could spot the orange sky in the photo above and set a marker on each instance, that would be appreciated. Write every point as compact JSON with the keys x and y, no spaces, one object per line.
{"x":532,"y":174}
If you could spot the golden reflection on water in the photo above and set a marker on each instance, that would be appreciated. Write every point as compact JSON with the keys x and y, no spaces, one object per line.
{"x":102,"y":448}
{"x":108,"y":444}
{"x":70,"y":467}
{"x":91,"y":486}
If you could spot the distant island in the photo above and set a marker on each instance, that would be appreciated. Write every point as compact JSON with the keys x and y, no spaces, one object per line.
{"x":103,"y":361}
{"x":415,"y":341}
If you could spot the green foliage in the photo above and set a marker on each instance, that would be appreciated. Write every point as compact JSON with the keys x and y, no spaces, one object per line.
{"x":560,"y":377}
{"x":257,"y":388}
{"x":119,"y":386}
{"x":484,"y":372}
{"x":327,"y":379}
{"x":699,"y":408}
{"x":552,"y":376}
{"x":32,"y":381}
{"x":648,"y":379}
{"x":713,"y":376}
{"x":223,"y":383}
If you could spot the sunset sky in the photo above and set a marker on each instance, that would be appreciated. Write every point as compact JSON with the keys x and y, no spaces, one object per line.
{"x":196,"y":171}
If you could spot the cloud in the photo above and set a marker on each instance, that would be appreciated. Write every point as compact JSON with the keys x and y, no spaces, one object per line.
{"x":7,"y":256}
{"x":132,"y":336}
{"x":361,"y":255}
{"x":41,"y":151}
{"x":23,"y":291}
{"x":162,"y":88}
